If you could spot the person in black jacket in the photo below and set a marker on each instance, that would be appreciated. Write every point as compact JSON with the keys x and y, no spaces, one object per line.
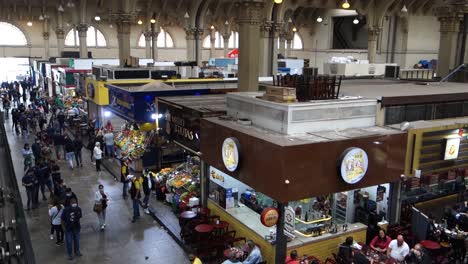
{"x":147,"y":186}
{"x":69,"y":195}
{"x":58,"y":143}
{"x":36,"y":148}
{"x":78,"y":145}
{"x":418,"y":255}
{"x":69,"y":151}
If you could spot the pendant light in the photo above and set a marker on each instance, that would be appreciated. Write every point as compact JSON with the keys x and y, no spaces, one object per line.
{"x":404,"y":9}
{"x":346,"y":4}
{"x":356,"y":21}
{"x":319,"y":19}
{"x":278,"y":1}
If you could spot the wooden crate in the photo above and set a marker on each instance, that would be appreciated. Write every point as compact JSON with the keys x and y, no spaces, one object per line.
{"x":280,"y":99}
{"x":280,"y":91}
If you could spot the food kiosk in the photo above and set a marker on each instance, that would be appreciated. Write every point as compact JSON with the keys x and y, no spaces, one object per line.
{"x":308,"y":177}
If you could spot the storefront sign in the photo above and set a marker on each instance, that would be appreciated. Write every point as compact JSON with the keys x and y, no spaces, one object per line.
{"x":230,"y":152}
{"x":269,"y":217}
{"x":289,"y":219}
{"x":354,"y":164}
{"x":177,"y":125}
{"x":122,"y":102}
{"x":451,"y":148}
{"x":217,"y":176}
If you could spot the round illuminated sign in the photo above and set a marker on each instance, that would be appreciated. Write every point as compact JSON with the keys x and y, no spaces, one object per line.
{"x":354,"y":164}
{"x":230,"y":152}
{"x":269,"y":217}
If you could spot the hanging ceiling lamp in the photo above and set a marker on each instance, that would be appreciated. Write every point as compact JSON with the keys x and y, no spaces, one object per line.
{"x":278,"y":1}
{"x":319,"y":19}
{"x":345,"y":5}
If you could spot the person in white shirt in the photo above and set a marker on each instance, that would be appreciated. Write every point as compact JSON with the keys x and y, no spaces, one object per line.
{"x":101,"y":200}
{"x":109,"y":141}
{"x":398,"y":249}
{"x":55,"y":213}
{"x":97,"y":154}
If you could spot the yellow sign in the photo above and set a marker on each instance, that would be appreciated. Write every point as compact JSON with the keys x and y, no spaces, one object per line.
{"x":451,"y":148}
{"x":354,"y":165}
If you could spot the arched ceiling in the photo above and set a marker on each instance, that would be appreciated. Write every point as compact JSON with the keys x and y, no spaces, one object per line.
{"x":209,"y":12}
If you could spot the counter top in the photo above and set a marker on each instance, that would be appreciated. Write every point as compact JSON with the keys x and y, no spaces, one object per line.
{"x":251,"y":220}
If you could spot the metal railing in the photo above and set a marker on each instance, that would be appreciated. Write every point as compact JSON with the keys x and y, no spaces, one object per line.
{"x":15,"y":242}
{"x":417,"y":74}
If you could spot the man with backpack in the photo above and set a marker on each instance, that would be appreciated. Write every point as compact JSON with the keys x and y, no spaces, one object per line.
{"x":71,"y":219}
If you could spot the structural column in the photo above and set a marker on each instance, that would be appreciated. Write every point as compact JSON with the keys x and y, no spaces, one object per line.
{"x":226,"y":37}
{"x":372,"y":37}
{"x":82,"y":33}
{"x":265,"y":44}
{"x":449,"y":29}
{"x":198,"y":45}
{"x":276,"y":29}
{"x":282,"y":44}
{"x":60,"y":33}
{"x":147,"y":35}
{"x":190,"y":36}
{"x":46,"y":35}
{"x":212,"y":44}
{"x":250,"y":15}
{"x":155,"y":34}
{"x":123,"y":38}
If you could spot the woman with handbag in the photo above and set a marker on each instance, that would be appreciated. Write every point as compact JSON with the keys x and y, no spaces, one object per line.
{"x":55,"y":213}
{"x":101,"y":199}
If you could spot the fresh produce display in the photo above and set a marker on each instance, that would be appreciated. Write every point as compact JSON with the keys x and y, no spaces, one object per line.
{"x":182,"y":182}
{"x":133,"y":143}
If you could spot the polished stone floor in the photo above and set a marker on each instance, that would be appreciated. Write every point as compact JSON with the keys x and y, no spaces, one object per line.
{"x":122,"y":241}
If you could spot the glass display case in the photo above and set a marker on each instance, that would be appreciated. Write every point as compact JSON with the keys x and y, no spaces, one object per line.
{"x":313,"y":215}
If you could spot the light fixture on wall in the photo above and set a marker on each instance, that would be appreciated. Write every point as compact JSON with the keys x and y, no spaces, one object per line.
{"x":319,"y":19}
{"x":345,"y":4}
{"x":140,"y":22}
{"x":29,"y":24}
{"x":97,"y":18}
{"x":404,"y":9}
{"x":356,"y":21}
{"x":278,"y":1}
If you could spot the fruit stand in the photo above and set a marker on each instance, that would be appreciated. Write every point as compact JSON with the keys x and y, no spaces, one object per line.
{"x":133,"y":144}
{"x":181,"y":184}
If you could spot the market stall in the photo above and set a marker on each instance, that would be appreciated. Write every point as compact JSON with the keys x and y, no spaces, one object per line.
{"x":307,"y":190}
{"x":436,"y":169}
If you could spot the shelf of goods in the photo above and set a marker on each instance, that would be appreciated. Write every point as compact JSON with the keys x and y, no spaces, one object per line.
{"x":182,"y":184}
{"x":312,"y":216}
{"x":133,"y":143}
{"x":72,"y":101}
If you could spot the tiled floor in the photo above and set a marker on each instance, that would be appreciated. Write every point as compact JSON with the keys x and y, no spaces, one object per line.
{"x":122,"y":242}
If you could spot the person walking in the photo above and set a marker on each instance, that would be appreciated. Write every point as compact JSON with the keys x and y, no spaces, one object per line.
{"x":69,"y":151}
{"x":101,"y":199}
{"x":97,"y":154}
{"x":58,"y":143}
{"x":28,"y":183}
{"x":78,"y":146}
{"x":109,"y":141}
{"x":55,"y":213}
{"x":36,"y":186}
{"x":27,"y":156}
{"x":43,"y":173}
{"x":124,"y":177}
{"x":147,"y":186}
{"x":71,"y":218}
{"x":135,"y":194}
{"x":37,"y":149}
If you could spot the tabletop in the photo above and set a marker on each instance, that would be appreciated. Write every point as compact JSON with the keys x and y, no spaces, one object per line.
{"x":188,"y":215}
{"x":204,"y":228}
{"x":429,"y":244}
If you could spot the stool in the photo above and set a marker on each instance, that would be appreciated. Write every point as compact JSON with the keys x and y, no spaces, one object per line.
{"x":220,"y":228}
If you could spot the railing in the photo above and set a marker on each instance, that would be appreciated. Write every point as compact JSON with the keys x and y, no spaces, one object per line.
{"x":460,"y":68}
{"x":417,"y":74}
{"x":15,"y":243}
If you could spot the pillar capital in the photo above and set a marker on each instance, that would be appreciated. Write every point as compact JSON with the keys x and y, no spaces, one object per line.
{"x":60,"y":33}
{"x":265,"y":28}
{"x":373,"y":33}
{"x":191,"y":33}
{"x":148,"y":35}
{"x":250,"y":11}
{"x":45,"y":35}
{"x":277,"y":28}
{"x":449,"y":17}
{"x":123,"y":17}
{"x":82,"y":29}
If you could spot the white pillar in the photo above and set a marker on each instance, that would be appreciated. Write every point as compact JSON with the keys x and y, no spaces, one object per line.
{"x":82,"y":34}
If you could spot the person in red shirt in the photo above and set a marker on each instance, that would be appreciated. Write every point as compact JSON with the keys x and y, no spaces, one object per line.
{"x":292,"y":258}
{"x":380,"y":242}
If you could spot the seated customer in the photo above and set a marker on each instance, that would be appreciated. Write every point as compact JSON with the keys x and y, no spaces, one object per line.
{"x":232,"y":259}
{"x":398,"y":249}
{"x":418,"y":255}
{"x":292,"y":259}
{"x":380,"y":242}
{"x":347,"y":254}
{"x":255,"y":256}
